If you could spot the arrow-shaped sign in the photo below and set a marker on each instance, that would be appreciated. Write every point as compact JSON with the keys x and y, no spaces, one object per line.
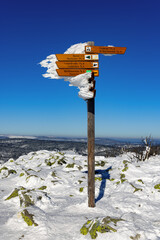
{"x":75,"y":72}
{"x":105,"y":50}
{"x":82,"y":65}
{"x":77,"y":57}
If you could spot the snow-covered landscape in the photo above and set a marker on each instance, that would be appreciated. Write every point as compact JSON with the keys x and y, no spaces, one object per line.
{"x":44,"y":196}
{"x":80,"y":120}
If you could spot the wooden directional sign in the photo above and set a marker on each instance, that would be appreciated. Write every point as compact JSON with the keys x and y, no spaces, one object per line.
{"x":82,"y":65}
{"x":105,"y":50}
{"x":77,"y":57}
{"x":75,"y":72}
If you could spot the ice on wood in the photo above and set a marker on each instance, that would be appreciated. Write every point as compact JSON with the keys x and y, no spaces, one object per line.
{"x":80,"y":81}
{"x":50,"y":63}
{"x":76,"y":48}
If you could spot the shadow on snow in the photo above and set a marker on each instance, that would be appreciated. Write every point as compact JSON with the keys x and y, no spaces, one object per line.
{"x":104,"y":175}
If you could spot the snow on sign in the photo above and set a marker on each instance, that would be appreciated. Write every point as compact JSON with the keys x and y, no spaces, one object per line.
{"x":76,"y":57}
{"x":105,"y":50}
{"x":75,"y":72}
{"x":77,"y":64}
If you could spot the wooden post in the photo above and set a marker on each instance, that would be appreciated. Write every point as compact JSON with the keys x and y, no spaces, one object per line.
{"x":91,"y":143}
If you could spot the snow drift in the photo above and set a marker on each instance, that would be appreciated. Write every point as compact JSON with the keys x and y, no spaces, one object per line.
{"x":80,"y":81}
{"x":43,"y":195}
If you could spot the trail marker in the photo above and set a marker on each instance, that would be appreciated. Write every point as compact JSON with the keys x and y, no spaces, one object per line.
{"x":73,"y":64}
{"x":105,"y":50}
{"x":77,"y":57}
{"x":75,"y":72}
{"x":70,"y":65}
{"x":91,"y":122}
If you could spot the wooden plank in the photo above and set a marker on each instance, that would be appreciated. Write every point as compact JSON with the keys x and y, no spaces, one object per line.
{"x":91,"y":157}
{"x":91,"y":144}
{"x":75,"y":72}
{"x":82,"y":65}
{"x":105,"y":50}
{"x":91,"y":149}
{"x":77,"y":57}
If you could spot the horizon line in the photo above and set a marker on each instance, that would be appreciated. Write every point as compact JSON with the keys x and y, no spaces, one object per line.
{"x":79,"y":137}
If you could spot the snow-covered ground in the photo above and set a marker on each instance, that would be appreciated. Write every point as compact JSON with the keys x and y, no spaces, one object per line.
{"x":43,"y":195}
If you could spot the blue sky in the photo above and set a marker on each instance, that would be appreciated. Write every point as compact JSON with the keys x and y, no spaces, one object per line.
{"x":127,"y":98}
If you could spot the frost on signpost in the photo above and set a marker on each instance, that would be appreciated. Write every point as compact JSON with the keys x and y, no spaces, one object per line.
{"x":74,"y":66}
{"x":79,"y":65}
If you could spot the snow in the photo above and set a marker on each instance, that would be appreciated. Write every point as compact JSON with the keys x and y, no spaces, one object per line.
{"x":76,"y":48}
{"x":50,"y":64}
{"x":51,"y":187}
{"x":80,"y":81}
{"x":19,"y":136}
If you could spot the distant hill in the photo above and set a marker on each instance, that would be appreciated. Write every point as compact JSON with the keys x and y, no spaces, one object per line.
{"x":15,"y":146}
{"x":98,"y":140}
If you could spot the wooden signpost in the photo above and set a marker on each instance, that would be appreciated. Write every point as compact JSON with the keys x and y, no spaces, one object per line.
{"x":81,"y":65}
{"x":105,"y":50}
{"x":74,"y":72}
{"x":70,"y":65}
{"x":73,"y":65}
{"x":77,"y":57}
